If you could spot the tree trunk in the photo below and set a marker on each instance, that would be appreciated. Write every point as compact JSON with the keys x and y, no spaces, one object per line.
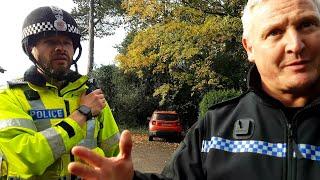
{"x":91,"y":38}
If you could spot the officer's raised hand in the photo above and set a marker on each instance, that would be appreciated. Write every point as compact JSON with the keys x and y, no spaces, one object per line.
{"x":94,"y":100}
{"x":90,"y":105}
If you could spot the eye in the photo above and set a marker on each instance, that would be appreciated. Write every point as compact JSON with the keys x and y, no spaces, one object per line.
{"x":69,"y":43}
{"x":49,"y":42}
{"x":275,"y":32}
{"x":307,"y":24}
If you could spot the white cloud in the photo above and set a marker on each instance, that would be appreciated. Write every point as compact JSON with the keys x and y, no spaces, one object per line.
{"x":13,"y":59}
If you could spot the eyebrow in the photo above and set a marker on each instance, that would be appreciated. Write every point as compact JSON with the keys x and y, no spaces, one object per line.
{"x":310,"y":17}
{"x":267,"y":28}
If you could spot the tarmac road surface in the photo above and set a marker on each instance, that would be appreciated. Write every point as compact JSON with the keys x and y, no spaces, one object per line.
{"x":151,"y":156}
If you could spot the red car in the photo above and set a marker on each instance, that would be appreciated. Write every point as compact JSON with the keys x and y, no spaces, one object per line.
{"x":165,"y":124}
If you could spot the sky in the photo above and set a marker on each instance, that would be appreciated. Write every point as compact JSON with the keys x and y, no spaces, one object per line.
{"x":12,"y":57}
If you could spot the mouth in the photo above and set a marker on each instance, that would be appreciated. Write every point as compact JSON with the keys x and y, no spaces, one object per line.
{"x":299,"y":64}
{"x":60,"y":57}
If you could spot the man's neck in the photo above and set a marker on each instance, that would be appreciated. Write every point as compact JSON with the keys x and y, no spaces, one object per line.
{"x":293,"y":99}
{"x":58,"y":84}
{"x":289,"y":100}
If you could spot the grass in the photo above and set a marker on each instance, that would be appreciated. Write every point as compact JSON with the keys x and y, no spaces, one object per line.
{"x":134,"y":129}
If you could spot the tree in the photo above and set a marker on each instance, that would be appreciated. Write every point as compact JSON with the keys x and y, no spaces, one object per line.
{"x":91,"y":38}
{"x":187,"y":53}
{"x":128,"y":97}
{"x":176,"y":49}
{"x":217,"y":7}
{"x":107,"y":16}
{"x":101,"y":17}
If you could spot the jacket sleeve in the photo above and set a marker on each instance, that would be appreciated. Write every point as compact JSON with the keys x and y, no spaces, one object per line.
{"x":148,"y":176}
{"x":186,"y":161}
{"x":108,"y":137}
{"x":27,"y":151}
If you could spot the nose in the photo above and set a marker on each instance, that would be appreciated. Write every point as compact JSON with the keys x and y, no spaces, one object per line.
{"x":295,"y":43}
{"x":59,"y":47}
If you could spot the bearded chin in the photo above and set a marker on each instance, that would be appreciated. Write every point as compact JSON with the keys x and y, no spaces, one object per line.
{"x":60,"y":73}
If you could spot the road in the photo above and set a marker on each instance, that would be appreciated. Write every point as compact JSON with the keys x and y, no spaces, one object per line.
{"x":151,"y":156}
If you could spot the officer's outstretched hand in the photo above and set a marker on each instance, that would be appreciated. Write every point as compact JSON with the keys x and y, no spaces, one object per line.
{"x":94,"y":100}
{"x":98,"y":168}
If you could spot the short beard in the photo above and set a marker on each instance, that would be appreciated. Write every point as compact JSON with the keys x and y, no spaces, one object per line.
{"x":59,"y":74}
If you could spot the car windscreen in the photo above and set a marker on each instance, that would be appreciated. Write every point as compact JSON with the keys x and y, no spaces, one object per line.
{"x":167,"y":117}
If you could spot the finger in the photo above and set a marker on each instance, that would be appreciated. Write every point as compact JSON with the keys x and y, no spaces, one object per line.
{"x":98,"y":96}
{"x":88,"y":156}
{"x":98,"y":91}
{"x":81,"y":170}
{"x":104,"y":101}
{"x":125,"y":144}
{"x":83,"y":95}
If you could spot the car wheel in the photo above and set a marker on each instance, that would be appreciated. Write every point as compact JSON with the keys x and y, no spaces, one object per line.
{"x":178,"y":138}
{"x":150,"y":138}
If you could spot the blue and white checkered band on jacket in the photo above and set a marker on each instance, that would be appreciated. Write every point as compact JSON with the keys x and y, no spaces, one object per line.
{"x":279,"y":150}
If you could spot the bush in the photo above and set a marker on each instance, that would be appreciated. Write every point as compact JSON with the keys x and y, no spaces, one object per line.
{"x":215,"y":97}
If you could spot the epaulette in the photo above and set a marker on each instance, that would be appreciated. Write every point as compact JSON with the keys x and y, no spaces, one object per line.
{"x":228,"y":101}
{"x":17,"y":83}
{"x":28,"y":92}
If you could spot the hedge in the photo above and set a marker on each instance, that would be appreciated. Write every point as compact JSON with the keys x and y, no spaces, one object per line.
{"x":214,"y":97}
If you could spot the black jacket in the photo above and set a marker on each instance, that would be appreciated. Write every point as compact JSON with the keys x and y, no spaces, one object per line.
{"x":251,"y":137}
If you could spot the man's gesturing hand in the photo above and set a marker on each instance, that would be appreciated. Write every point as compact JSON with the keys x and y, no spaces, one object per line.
{"x":98,"y":168}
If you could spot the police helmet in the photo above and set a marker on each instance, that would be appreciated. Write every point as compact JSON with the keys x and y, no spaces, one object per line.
{"x":49,"y":20}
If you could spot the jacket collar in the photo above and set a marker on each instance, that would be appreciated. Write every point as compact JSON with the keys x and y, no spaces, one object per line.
{"x":33,"y":76}
{"x":254,"y":79}
{"x":254,"y":84}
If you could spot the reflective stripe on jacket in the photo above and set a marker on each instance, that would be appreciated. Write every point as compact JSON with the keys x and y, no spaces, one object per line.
{"x":37,"y":134}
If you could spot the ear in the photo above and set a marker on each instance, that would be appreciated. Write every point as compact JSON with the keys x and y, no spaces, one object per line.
{"x":248,"y":47}
{"x":31,"y":49}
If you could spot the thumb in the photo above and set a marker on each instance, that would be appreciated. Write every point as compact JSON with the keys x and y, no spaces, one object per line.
{"x":125,"y":145}
{"x":83,"y":95}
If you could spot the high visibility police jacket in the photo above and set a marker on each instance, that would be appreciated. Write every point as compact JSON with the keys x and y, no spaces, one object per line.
{"x":252,"y":138}
{"x":36,"y":134}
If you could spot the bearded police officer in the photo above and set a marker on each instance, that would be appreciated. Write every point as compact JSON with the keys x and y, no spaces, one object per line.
{"x":48,"y":111}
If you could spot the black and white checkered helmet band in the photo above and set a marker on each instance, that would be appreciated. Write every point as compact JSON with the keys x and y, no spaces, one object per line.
{"x":46,"y":26}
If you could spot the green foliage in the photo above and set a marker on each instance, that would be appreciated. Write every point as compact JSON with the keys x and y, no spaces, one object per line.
{"x":104,"y":76}
{"x":107,"y":16}
{"x":214,"y":97}
{"x":127,"y":96}
{"x":174,"y":53}
{"x":217,"y":7}
{"x":123,"y":47}
{"x":186,"y":49}
{"x":136,"y":129}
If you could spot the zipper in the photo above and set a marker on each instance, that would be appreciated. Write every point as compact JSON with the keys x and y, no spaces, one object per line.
{"x":290,"y":153}
{"x":293,"y":151}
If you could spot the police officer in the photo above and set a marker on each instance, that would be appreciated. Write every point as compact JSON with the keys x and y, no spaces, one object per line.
{"x":50,"y":110}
